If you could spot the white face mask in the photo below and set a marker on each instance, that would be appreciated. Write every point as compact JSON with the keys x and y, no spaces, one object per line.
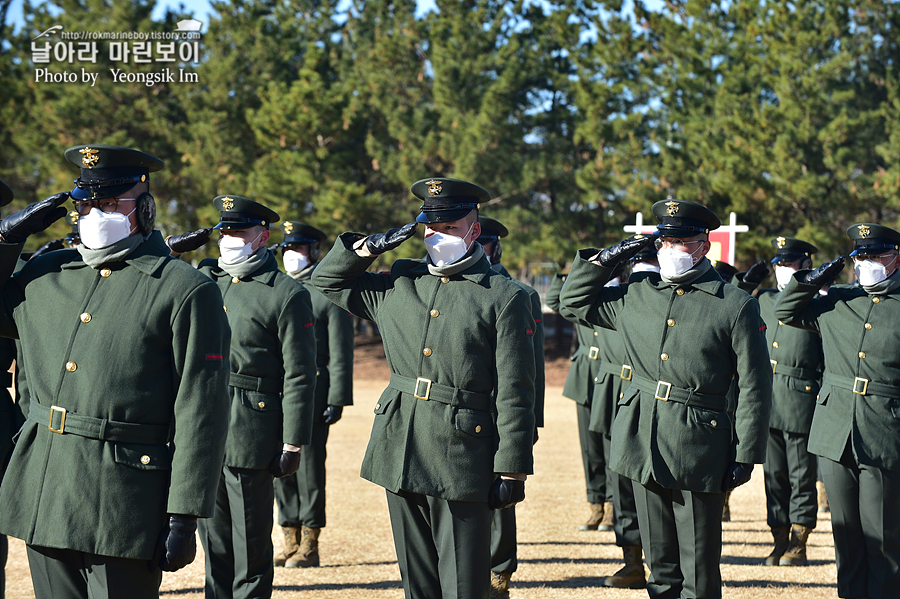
{"x":233,"y":250}
{"x":870,"y":272}
{"x":783,"y":275}
{"x":100,"y":229}
{"x":445,"y":249}
{"x":673,"y":262}
{"x":644,"y":267}
{"x":294,"y":261}
{"x":613,"y":283}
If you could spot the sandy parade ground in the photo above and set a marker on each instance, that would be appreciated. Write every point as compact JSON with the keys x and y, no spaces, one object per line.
{"x":555,"y":559}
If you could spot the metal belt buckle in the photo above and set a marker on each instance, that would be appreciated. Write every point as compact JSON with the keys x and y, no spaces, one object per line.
{"x":668,"y":390}
{"x":774,"y":365}
{"x":623,"y":376}
{"x":595,"y":351}
{"x":427,"y":382}
{"x":865,"y":385}
{"x":62,"y":420}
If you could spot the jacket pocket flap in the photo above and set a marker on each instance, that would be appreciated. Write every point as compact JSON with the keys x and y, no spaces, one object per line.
{"x":143,"y":457}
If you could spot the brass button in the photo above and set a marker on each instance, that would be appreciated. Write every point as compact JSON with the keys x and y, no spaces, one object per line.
{"x":775,"y":344}
{"x":621,"y":395}
{"x":85,"y":317}
{"x":862,"y":354}
{"x":445,"y":279}
{"x":261,"y":405}
{"x":478,"y":428}
{"x":868,"y":325}
{"x":781,"y":324}
{"x":225,"y":308}
{"x":434,"y":313}
{"x":235,"y":280}
{"x":875,"y":300}
{"x":596,"y":333}
{"x":671,"y":322}
{"x":427,"y":351}
{"x":596,"y":379}
{"x":378,"y":406}
{"x":808,"y":388}
{"x":71,"y":366}
{"x":713,"y":422}
{"x":145,"y":459}
{"x":664,"y":357}
{"x":679,"y":291}
{"x":105,"y":272}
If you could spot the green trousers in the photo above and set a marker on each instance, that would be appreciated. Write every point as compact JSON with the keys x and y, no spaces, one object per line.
{"x":301,"y":496}
{"x":790,"y":477}
{"x":681,"y":533}
{"x":503,"y":540}
{"x":594,"y":458}
{"x":865,"y":522}
{"x":68,"y":574}
{"x":237,"y":540}
{"x":443,"y":547}
{"x":625,"y":524}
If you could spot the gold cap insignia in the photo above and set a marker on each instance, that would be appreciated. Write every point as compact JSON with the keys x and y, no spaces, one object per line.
{"x":434,"y":187}
{"x":89,"y":157}
{"x":288,"y":227}
{"x":863,"y":231}
{"x":227,"y":204}
{"x":638,"y":236}
{"x":780,"y":241}
{"x":671,"y":208}
{"x":74,"y":216}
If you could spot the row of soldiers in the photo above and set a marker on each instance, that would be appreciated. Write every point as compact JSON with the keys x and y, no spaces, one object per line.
{"x":181,"y":394}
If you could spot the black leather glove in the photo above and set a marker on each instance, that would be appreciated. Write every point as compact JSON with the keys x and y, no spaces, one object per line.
{"x":380,"y":243}
{"x":332,"y":414}
{"x":506,"y":493}
{"x":285,"y":464}
{"x":624,"y":250}
{"x":737,"y":475}
{"x":56,"y":244}
{"x":177,"y":545}
{"x":756,"y":273}
{"x":825,"y":273}
{"x":36,"y":217}
{"x":188,"y":242}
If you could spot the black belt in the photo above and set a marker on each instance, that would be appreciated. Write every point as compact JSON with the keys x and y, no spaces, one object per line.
{"x":623,"y":371}
{"x":797,"y":373}
{"x":664,"y":391}
{"x":255,"y":383}
{"x":427,"y":390}
{"x":862,"y":386}
{"x":61,"y":421}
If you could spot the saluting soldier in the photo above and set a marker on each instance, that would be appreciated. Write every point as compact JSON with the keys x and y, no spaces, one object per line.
{"x":504,"y":559}
{"x":725,"y":270}
{"x":301,"y":496}
{"x":272,"y":384}
{"x":11,"y":416}
{"x":856,"y":422}
{"x":688,"y":334}
{"x":453,"y":432}
{"x":127,"y":359}
{"x":579,"y":387}
{"x":796,"y":357}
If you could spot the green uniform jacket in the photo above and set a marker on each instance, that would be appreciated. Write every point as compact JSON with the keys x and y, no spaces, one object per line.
{"x":334,"y":348}
{"x":273,"y":362}
{"x":538,"y":314}
{"x":468,"y":334}
{"x":797,"y":361}
{"x":579,"y":385}
{"x":859,"y":339}
{"x":696,"y":338}
{"x":144,"y":342}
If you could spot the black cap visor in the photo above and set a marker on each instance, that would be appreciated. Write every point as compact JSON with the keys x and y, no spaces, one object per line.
{"x":444,"y":214}
{"x":874,"y":249}
{"x":106,"y":188}
{"x":237,"y":221}
{"x":680,"y":231}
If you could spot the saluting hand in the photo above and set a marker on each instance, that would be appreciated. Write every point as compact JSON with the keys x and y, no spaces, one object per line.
{"x":177,"y":546}
{"x":34,"y":218}
{"x":56,"y":244}
{"x":624,"y":250}
{"x":188,"y":242}
{"x":825,"y":273}
{"x":756,"y":273}
{"x":380,"y":243}
{"x":737,"y":475}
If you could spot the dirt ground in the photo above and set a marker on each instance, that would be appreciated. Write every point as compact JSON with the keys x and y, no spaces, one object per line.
{"x":555,"y":560}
